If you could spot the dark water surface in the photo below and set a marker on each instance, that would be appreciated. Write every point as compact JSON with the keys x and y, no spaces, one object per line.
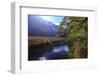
{"x":48,"y":52}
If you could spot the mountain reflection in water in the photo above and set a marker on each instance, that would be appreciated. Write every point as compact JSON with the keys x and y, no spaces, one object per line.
{"x":49,"y":52}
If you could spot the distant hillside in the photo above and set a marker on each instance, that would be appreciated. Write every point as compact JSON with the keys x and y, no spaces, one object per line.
{"x":39,"y":27}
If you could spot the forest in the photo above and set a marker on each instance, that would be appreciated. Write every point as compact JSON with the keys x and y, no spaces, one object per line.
{"x":75,"y":31}
{"x":48,"y":41}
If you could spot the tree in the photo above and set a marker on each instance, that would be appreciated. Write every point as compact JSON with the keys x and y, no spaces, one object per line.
{"x":75,"y":29}
{"x":77,"y":37}
{"x":62,"y":28}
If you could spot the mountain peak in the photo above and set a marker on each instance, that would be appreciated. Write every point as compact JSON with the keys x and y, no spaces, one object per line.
{"x":39,"y":27}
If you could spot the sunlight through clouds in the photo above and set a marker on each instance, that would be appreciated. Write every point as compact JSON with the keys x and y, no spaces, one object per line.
{"x":54,"y":19}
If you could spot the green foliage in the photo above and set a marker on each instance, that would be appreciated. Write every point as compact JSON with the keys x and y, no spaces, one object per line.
{"x":77,"y":36}
{"x":62,"y":28}
{"x":75,"y":30}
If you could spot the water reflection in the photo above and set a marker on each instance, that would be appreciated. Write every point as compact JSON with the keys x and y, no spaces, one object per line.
{"x":49,"y":52}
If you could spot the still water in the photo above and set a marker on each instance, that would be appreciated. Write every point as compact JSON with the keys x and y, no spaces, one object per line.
{"x":49,"y":52}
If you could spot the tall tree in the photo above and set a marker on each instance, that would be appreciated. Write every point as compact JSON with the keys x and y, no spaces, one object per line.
{"x":62,"y":28}
{"x":77,"y":37}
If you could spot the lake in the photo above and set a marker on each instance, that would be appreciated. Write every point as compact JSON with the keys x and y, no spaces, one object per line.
{"x":48,"y":52}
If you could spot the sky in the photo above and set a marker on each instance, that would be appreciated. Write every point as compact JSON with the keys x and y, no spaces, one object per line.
{"x":54,"y":19}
